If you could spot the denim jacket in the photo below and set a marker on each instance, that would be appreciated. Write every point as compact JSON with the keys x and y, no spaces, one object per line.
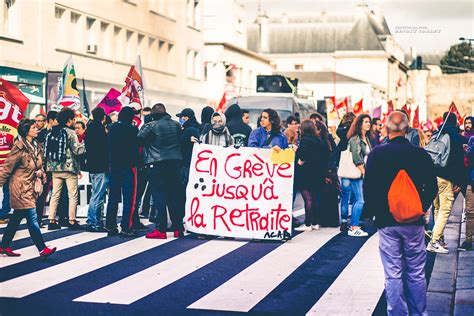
{"x":359,"y":149}
{"x":259,"y":136}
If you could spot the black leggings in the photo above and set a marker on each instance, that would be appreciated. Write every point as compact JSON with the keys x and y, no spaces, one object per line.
{"x":311,"y":206}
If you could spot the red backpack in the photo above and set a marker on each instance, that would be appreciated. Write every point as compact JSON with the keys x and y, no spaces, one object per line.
{"x":403,"y":199}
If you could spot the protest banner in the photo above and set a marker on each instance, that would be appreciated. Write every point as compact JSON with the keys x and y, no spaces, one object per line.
{"x":12,"y":106}
{"x":242,"y":193}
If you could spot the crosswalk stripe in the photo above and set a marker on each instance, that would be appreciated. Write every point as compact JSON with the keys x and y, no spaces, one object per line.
{"x":298,"y":212}
{"x":24,"y":233}
{"x":31,"y":252}
{"x":248,"y":288}
{"x":160,"y":275}
{"x":358,"y":288}
{"x":43,"y":279}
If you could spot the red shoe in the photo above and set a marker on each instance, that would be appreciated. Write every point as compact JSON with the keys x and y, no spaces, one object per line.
{"x":156,"y":234}
{"x":46,"y":252}
{"x":9,"y":252}
{"x":178,"y":233}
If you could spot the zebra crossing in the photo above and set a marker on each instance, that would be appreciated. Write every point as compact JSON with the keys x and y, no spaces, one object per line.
{"x":320,"y":272}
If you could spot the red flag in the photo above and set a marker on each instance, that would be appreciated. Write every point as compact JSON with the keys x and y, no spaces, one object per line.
{"x":342,"y":108}
{"x":389,"y":106}
{"x":405,"y":108}
{"x":416,"y":118}
{"x":222,"y":103}
{"x":358,"y":107}
{"x":454,"y":109}
{"x":133,"y":84}
{"x":12,"y":104}
{"x":438,"y":121}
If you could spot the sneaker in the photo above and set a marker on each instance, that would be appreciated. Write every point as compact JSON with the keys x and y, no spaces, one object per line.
{"x":178,"y":233}
{"x":127,"y":234}
{"x":64,"y":222}
{"x":304,"y":228}
{"x":443,"y":243}
{"x":112,"y":232}
{"x":357,"y":233}
{"x":466,"y":246}
{"x":97,"y":229}
{"x":4,"y":221}
{"x":53,"y":226}
{"x":316,"y":227}
{"x":9,"y":252}
{"x":76,"y":226}
{"x":46,"y":252}
{"x":156,"y":234}
{"x":428,"y":234}
{"x":436,"y":247}
{"x":140,"y":228}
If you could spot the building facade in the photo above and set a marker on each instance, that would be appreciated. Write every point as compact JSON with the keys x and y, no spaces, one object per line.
{"x":104,"y":38}
{"x":357,"y":46}
{"x":230,"y":67}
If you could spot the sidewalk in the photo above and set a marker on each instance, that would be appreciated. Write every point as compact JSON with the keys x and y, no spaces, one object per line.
{"x":451,"y":287}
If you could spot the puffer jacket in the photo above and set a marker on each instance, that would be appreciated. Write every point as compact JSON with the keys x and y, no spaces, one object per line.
{"x":21,"y":165}
{"x":73,"y":150}
{"x":161,"y":139}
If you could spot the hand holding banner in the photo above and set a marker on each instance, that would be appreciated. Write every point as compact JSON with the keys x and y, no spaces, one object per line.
{"x":243,"y":193}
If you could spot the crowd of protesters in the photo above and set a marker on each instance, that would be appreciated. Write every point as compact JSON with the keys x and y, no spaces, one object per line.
{"x":147,"y":168}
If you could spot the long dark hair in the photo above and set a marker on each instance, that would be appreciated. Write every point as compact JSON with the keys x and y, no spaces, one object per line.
{"x":347,"y":119}
{"x":356,"y":127}
{"x":24,"y":127}
{"x":274,"y":120}
{"x":323,"y":134}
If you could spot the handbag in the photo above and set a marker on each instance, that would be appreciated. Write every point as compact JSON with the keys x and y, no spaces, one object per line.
{"x":347,"y":168}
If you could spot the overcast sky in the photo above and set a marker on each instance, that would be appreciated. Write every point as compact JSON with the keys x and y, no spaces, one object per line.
{"x":450,"y":18}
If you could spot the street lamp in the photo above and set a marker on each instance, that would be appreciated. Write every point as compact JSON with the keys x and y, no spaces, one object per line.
{"x":470,"y":49}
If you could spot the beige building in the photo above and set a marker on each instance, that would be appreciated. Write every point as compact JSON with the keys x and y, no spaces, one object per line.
{"x":322,"y":47}
{"x":230,"y":67}
{"x":104,"y":38}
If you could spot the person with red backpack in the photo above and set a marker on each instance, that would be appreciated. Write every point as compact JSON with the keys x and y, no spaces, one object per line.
{"x":399,"y":186}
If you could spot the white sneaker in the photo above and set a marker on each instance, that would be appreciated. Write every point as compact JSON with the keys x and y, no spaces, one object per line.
{"x":436,"y":247}
{"x":316,"y":227}
{"x":303,"y":228}
{"x":357,"y":233}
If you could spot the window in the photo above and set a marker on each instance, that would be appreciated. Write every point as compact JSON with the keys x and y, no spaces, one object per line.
{"x":119,"y":36}
{"x":193,"y":13}
{"x":162,"y":55}
{"x":75,"y":17}
{"x":171,"y":59}
{"x":106,"y":39}
{"x":152,"y":53}
{"x":58,"y":12}
{"x":131,"y":45}
{"x":92,"y":35}
{"x":10,"y":18}
{"x":298,"y":66}
{"x":197,"y":66}
{"x":190,"y":64}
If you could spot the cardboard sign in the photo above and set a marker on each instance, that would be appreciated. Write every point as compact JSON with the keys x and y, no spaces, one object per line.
{"x":242,"y":193}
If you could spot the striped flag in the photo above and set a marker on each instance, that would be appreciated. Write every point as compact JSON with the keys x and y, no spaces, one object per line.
{"x":68,"y":91}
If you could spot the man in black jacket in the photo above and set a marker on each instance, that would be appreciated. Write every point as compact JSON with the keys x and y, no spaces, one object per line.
{"x":402,"y":246}
{"x":238,"y":129}
{"x":162,"y":157}
{"x":190,"y":129}
{"x":123,"y":158}
{"x":97,"y":163}
{"x":451,"y":179}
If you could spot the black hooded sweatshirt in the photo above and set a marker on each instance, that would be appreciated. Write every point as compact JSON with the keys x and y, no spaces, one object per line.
{"x":237,"y":128}
{"x":190,"y":128}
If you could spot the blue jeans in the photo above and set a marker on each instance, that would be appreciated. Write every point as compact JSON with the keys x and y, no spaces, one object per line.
{"x":96,"y":204}
{"x":356,"y":186}
{"x":345,"y":198}
{"x":31,"y":222}
{"x":123,"y":181}
{"x":403,"y":253}
{"x":6,"y":200}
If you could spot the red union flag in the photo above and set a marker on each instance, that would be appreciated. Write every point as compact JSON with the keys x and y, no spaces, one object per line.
{"x":134,"y":84}
{"x":358,"y":107}
{"x":12,"y":105}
